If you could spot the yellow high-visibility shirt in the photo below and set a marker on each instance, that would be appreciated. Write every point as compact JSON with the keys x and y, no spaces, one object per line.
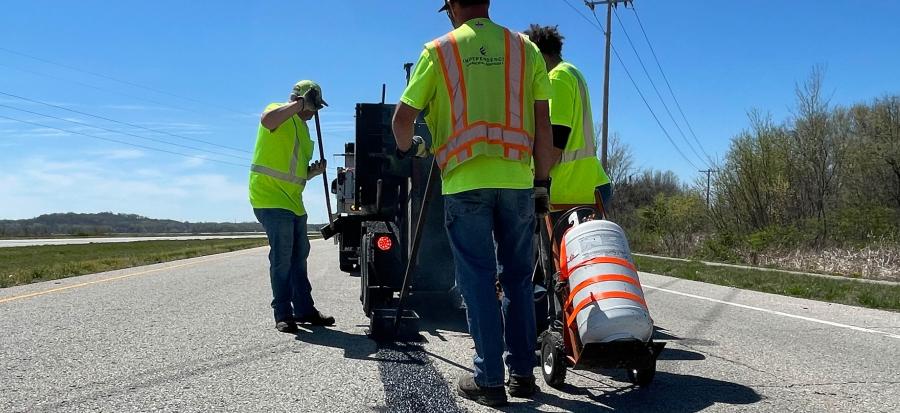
{"x":279,"y":168}
{"x":486,"y":88}
{"x":579,"y":172}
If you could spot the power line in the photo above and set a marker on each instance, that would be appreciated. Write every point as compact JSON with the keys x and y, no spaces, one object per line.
{"x":599,"y":26}
{"x":122,"y":123}
{"x":120,"y":132}
{"x":121,"y":142}
{"x":102,"y":89}
{"x":117,"y":80}
{"x":669,"y":85}
{"x":656,"y":90}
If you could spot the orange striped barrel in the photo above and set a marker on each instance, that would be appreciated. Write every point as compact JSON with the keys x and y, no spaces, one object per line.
{"x":606,"y":301}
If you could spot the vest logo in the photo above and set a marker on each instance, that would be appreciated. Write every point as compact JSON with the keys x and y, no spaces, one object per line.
{"x":483,"y":51}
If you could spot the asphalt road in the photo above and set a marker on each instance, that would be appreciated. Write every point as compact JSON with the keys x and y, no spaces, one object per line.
{"x":196,"y":335}
{"x":91,"y":240}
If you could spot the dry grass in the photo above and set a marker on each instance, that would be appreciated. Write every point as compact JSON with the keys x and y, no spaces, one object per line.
{"x":876,"y":261}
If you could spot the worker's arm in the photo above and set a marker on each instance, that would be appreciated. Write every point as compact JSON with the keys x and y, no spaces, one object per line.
{"x":404,"y":125}
{"x":561,"y":135}
{"x":272,"y":119}
{"x":545,"y":154}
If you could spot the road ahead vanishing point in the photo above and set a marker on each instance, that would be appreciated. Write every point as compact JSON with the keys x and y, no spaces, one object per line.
{"x":197,"y":335}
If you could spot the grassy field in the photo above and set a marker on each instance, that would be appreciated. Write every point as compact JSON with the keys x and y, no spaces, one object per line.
{"x":23,"y":265}
{"x":849,"y":292}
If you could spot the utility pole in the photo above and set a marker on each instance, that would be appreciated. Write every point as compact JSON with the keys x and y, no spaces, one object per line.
{"x":604,"y":142}
{"x":708,"y":173}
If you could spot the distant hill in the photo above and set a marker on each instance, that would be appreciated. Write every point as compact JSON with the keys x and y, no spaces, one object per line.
{"x":107,"y":223}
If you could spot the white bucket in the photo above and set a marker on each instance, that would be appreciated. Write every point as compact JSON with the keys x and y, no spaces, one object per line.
{"x":599,"y":266}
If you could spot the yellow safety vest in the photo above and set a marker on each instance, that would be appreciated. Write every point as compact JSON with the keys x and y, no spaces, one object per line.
{"x":279,"y":168}
{"x":579,"y":171}
{"x":475,"y":132}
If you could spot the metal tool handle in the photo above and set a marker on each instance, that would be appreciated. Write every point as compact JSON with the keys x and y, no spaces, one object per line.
{"x":324,"y":172}
{"x":417,"y":240}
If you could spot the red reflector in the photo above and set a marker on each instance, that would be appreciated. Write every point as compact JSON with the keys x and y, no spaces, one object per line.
{"x":384,"y":243}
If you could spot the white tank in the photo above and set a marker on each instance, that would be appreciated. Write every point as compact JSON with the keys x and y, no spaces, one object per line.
{"x":598,"y":262}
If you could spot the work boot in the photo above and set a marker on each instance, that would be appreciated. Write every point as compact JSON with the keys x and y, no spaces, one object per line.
{"x":488,"y":396}
{"x":286,"y":326}
{"x":521,"y":386}
{"x":316,"y":318}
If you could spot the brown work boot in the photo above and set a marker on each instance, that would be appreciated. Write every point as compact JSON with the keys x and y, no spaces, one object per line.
{"x":316,"y":318}
{"x":488,"y":396}
{"x":286,"y":326}
{"x":520,"y":386}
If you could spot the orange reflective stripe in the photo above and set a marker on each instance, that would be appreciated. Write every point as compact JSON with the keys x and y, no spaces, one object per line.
{"x":521,"y":79}
{"x":448,"y":54}
{"x":506,"y":39}
{"x":598,"y":279}
{"x":602,"y":260}
{"x":595,"y":297}
{"x":515,"y":76}
{"x":516,"y":143}
{"x":462,"y":82}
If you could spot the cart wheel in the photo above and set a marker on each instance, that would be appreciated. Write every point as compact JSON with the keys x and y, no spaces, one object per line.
{"x":553,"y":359}
{"x":642,"y":377}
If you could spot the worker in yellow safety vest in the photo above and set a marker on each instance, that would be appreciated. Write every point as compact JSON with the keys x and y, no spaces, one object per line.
{"x":579,"y":173}
{"x":279,"y":172}
{"x":486,"y":92}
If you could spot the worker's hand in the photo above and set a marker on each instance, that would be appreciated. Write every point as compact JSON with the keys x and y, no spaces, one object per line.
{"x":541,"y":197}
{"x":419,"y":149}
{"x":312,"y":101}
{"x":317,"y":168}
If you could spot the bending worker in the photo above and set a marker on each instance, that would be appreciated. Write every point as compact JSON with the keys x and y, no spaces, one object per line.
{"x":579,"y":172}
{"x":278,"y":175}
{"x":486,"y":91}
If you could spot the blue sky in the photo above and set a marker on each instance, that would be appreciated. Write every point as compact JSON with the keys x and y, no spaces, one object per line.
{"x":723,"y":58}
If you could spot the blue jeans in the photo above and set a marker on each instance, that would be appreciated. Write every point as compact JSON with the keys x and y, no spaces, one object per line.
{"x":475,"y":220}
{"x":288,"y":250}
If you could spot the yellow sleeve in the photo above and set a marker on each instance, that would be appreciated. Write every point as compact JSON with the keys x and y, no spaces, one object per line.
{"x":541,"y":83}
{"x":562,"y":101}
{"x":422,"y":84}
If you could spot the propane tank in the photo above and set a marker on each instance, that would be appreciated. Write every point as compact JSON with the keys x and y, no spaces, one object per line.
{"x":606,"y":300}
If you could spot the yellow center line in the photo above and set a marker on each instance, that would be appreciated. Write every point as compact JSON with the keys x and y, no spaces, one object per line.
{"x":120,"y":277}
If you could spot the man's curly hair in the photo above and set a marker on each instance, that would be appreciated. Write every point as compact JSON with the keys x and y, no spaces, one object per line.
{"x":547,"y":39}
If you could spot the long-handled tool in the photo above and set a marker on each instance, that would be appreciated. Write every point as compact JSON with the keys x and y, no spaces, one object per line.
{"x":414,"y":252}
{"x":324,"y":171}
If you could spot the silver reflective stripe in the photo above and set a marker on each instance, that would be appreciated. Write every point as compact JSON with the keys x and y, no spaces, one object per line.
{"x":589,"y":149}
{"x":295,"y":155}
{"x":449,"y":59}
{"x":519,"y":144}
{"x":264,"y":170}
{"x":514,"y":79}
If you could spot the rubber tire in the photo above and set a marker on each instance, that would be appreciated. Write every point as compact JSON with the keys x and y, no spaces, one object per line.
{"x":641,"y":377}
{"x":553,"y":359}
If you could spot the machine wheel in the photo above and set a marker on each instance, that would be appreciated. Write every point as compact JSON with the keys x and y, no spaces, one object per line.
{"x":642,"y":377}
{"x":553,"y":359}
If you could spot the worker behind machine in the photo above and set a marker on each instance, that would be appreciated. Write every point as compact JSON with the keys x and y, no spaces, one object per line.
{"x":278,"y":176}
{"x":486,"y":91}
{"x":579,"y":172}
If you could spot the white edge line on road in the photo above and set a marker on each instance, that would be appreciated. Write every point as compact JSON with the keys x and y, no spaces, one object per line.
{"x":799,"y":317}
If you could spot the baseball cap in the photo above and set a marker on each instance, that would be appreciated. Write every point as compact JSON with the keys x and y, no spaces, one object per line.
{"x":304,"y":86}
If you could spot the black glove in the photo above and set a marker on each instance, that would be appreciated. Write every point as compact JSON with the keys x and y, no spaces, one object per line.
{"x":312,"y":101}
{"x":541,"y":197}
{"x":418,"y":148}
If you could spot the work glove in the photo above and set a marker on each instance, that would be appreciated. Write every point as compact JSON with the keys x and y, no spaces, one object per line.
{"x":419,"y":149}
{"x":541,"y":197}
{"x":312,"y":101}
{"x":317,"y":168}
